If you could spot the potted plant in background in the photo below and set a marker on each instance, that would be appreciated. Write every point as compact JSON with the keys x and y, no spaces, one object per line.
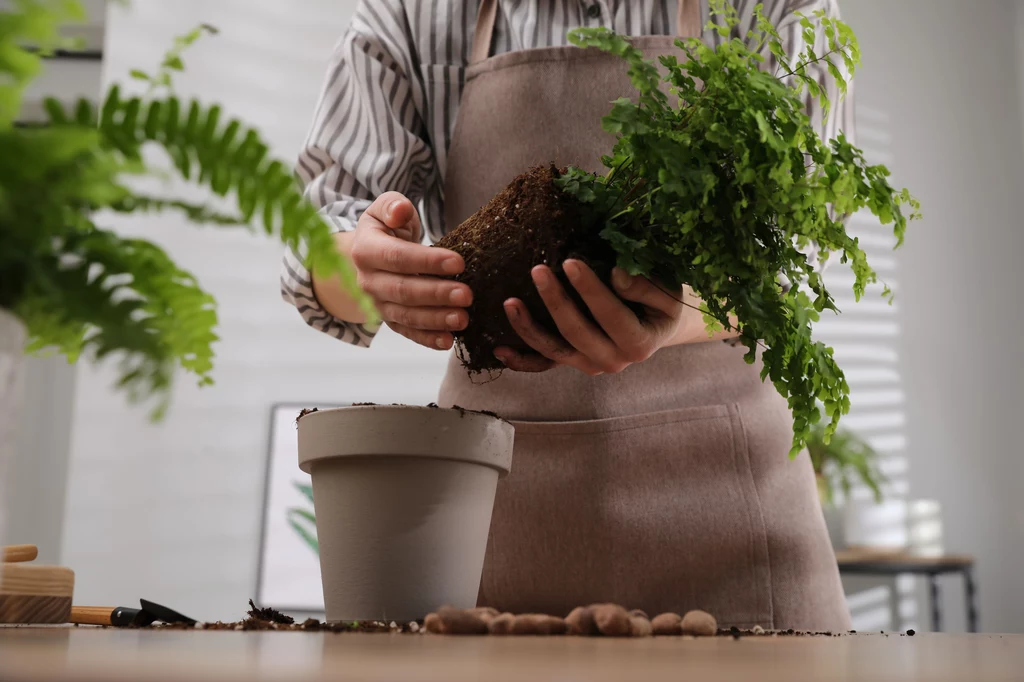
{"x":69,"y":285}
{"x":840,"y":462}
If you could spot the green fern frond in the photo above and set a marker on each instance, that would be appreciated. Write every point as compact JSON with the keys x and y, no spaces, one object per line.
{"x":231,"y":159}
{"x":84,"y":290}
{"x":106,"y":294}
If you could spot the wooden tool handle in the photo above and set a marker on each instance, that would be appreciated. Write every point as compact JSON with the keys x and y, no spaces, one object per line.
{"x":91,"y":615}
{"x":17,"y":553}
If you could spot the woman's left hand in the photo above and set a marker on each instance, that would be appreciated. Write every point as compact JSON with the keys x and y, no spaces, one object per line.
{"x":619,"y":338}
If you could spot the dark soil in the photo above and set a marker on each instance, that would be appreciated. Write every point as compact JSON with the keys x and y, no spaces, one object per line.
{"x":434,"y":406}
{"x":304,"y":412}
{"x":737,"y":633}
{"x":268,"y":614}
{"x":529,"y":223}
{"x":271,"y":619}
{"x":310,"y":625}
{"x":466,"y":410}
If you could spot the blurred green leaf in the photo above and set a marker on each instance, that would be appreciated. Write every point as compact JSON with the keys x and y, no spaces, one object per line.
{"x":83,"y":290}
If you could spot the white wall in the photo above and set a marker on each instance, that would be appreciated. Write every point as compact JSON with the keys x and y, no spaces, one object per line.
{"x":172,"y":512}
{"x":947,"y":73}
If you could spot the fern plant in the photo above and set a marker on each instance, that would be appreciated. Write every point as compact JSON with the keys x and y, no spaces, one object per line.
{"x":82,"y":289}
{"x":840,"y":460}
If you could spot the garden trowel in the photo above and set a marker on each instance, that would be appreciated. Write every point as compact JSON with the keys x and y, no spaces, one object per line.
{"x":123,"y":616}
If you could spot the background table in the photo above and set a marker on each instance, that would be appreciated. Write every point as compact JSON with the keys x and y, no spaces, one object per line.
{"x":111,"y":655}
{"x":889,"y":563}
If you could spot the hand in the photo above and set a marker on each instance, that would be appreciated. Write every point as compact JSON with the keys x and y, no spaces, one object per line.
{"x":402,"y":277}
{"x":619,"y":338}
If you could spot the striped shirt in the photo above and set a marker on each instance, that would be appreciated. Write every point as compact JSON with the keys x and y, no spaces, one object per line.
{"x":391,"y":94}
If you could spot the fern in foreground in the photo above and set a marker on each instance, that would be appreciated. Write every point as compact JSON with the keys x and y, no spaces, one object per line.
{"x":80,"y":288}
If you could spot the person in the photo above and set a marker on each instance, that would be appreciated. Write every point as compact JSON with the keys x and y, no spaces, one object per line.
{"x":651,"y":463}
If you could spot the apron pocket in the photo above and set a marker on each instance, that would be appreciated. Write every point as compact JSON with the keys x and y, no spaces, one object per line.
{"x":655,"y":511}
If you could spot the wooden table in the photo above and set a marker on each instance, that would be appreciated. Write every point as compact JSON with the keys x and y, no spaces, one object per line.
{"x":111,"y":655}
{"x":893,"y":563}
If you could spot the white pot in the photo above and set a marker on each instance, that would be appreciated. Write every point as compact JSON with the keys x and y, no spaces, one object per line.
{"x":924,"y":519}
{"x":874,"y":525}
{"x":403,"y":499}
{"x":12,"y":344}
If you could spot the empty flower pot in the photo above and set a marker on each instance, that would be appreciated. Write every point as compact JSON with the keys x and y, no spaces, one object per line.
{"x":403,"y":498}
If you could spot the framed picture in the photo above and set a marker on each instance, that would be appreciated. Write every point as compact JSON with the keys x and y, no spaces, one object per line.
{"x":288,"y":577}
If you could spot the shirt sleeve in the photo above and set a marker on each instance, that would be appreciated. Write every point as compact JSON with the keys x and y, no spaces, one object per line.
{"x":367,"y":137}
{"x":841,"y":115}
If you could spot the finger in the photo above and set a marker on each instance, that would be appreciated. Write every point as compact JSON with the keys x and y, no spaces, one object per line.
{"x":627,"y":332}
{"x":645,"y":292}
{"x":581,"y":334}
{"x":522,"y":362}
{"x":430,"y":339}
{"x":392,"y":210}
{"x":416,"y":291}
{"x":427,"y":319}
{"x":550,"y":347}
{"x":378,"y":250}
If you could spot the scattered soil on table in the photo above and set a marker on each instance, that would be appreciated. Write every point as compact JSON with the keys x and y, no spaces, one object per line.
{"x":531,"y":222}
{"x":273,"y":615}
{"x":272,"y":619}
{"x":737,"y":633}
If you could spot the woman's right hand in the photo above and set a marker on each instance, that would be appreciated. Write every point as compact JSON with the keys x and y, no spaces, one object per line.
{"x":402,"y":275}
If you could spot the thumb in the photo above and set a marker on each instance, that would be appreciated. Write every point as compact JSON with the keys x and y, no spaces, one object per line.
{"x":393,"y":210}
{"x":624,"y":282}
{"x":643,"y":291}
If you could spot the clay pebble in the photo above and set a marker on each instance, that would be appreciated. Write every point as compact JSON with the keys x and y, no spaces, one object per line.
{"x":462,"y":621}
{"x":639,"y":626}
{"x":667,"y":625}
{"x":604,"y":619}
{"x":538,"y":624}
{"x":581,"y":621}
{"x":699,"y":624}
{"x":612,"y":620}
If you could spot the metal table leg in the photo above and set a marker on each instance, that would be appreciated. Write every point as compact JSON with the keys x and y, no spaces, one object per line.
{"x":933,"y":585}
{"x":970,"y":592}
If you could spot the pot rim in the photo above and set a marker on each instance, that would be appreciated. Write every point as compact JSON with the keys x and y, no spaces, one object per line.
{"x":360,"y":431}
{"x":433,"y":408}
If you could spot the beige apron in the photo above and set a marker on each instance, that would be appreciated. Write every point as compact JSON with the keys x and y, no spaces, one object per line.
{"x":666,"y":487}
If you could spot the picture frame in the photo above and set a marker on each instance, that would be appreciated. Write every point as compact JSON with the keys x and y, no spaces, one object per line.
{"x":288,"y":567}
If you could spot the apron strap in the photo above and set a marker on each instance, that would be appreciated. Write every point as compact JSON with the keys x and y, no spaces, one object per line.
{"x":687,"y":25}
{"x":688,"y":19}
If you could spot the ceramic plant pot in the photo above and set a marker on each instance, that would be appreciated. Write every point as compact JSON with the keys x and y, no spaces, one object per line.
{"x":875,"y":525}
{"x":403,"y":498}
{"x":12,"y":343}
